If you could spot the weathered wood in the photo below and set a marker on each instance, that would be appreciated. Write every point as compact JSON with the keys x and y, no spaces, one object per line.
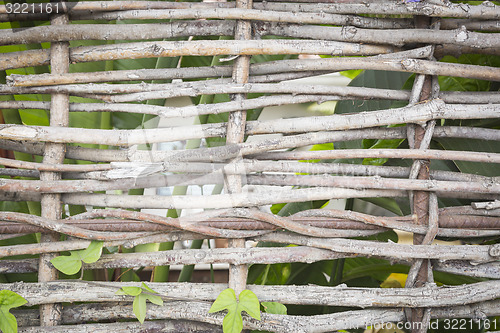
{"x":427,"y":296}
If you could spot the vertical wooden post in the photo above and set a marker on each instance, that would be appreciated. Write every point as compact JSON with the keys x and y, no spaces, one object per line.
{"x":421,"y":270}
{"x":50,"y":314}
{"x":235,"y":134}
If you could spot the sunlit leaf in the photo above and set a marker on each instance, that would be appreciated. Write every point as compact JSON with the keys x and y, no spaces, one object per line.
{"x":274,"y":307}
{"x":9,"y":300}
{"x":92,"y":253}
{"x":139,"y":307}
{"x":69,"y":265}
{"x":233,"y":322}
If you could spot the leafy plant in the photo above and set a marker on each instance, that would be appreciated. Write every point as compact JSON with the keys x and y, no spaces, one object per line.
{"x":72,"y":264}
{"x":9,"y":300}
{"x":233,"y":321}
{"x":141,"y":294}
{"x":274,"y":308}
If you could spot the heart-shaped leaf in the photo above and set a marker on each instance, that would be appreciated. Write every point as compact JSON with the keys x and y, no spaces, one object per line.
{"x":69,"y":265}
{"x":233,"y":322}
{"x":9,"y":300}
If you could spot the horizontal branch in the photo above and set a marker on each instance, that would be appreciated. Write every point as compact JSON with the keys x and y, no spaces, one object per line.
{"x":296,"y":16}
{"x":140,"y":50}
{"x":428,"y":296}
{"x":218,"y":154}
{"x":39,"y":248}
{"x":75,"y":32}
{"x":385,"y":153}
{"x":419,"y":113}
{"x":250,"y":199}
{"x":147,"y":91}
{"x":472,"y":253}
{"x":185,"y":111}
{"x":488,"y":11}
{"x":381,"y":7}
{"x":397,"y":37}
{"x":31,"y":58}
{"x":486,"y":270}
{"x":351,"y":34}
{"x":195,"y":310}
{"x":374,"y":182}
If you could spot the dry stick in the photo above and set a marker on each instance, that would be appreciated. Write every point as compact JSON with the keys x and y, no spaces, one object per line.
{"x":222,"y":47}
{"x":50,"y":314}
{"x":250,"y":166}
{"x":435,"y":109}
{"x":432,"y":296}
{"x":297,"y":16}
{"x":192,"y":223}
{"x":201,"y":72}
{"x":170,"y":325}
{"x":157,"y":202}
{"x":235,"y":134}
{"x":273,"y":67}
{"x":373,"y":182}
{"x":39,"y":248}
{"x":420,"y":270}
{"x":484,"y":11}
{"x":99,"y":6}
{"x":141,"y":50}
{"x":399,"y":37}
{"x":404,"y":224}
{"x":233,"y":256}
{"x":196,"y":310}
{"x":52,"y":167}
{"x":259,"y":102}
{"x":121,"y":311}
{"x":142,"y":92}
{"x":358,"y":182}
{"x":134,"y":169}
{"x":383,"y":153}
{"x":241,"y":256}
{"x":491,"y":270}
{"x":489,"y":25}
{"x":276,"y":323}
{"x":250,"y":199}
{"x":117,"y":32}
{"x":222,"y":153}
{"x":61,"y":227}
{"x":472,"y":253}
{"x":186,"y":111}
{"x":330,"y":219}
{"x":350,"y":34}
{"x":454,"y":10}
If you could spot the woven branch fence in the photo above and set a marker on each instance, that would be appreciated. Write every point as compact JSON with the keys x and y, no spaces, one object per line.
{"x":254,"y":170}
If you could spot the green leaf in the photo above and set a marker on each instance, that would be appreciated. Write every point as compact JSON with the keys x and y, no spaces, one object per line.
{"x":250,"y":303}
{"x":464,"y":84}
{"x":132,"y":291}
{"x":154,"y":299}
{"x":139,"y":307}
{"x":233,"y":322}
{"x":370,"y":79}
{"x":146,"y":287}
{"x":92,"y":253}
{"x":69,"y":265}
{"x":226,"y":299}
{"x":351,"y":73}
{"x":274,"y":307}
{"x":9,"y":300}
{"x":271,"y":274}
